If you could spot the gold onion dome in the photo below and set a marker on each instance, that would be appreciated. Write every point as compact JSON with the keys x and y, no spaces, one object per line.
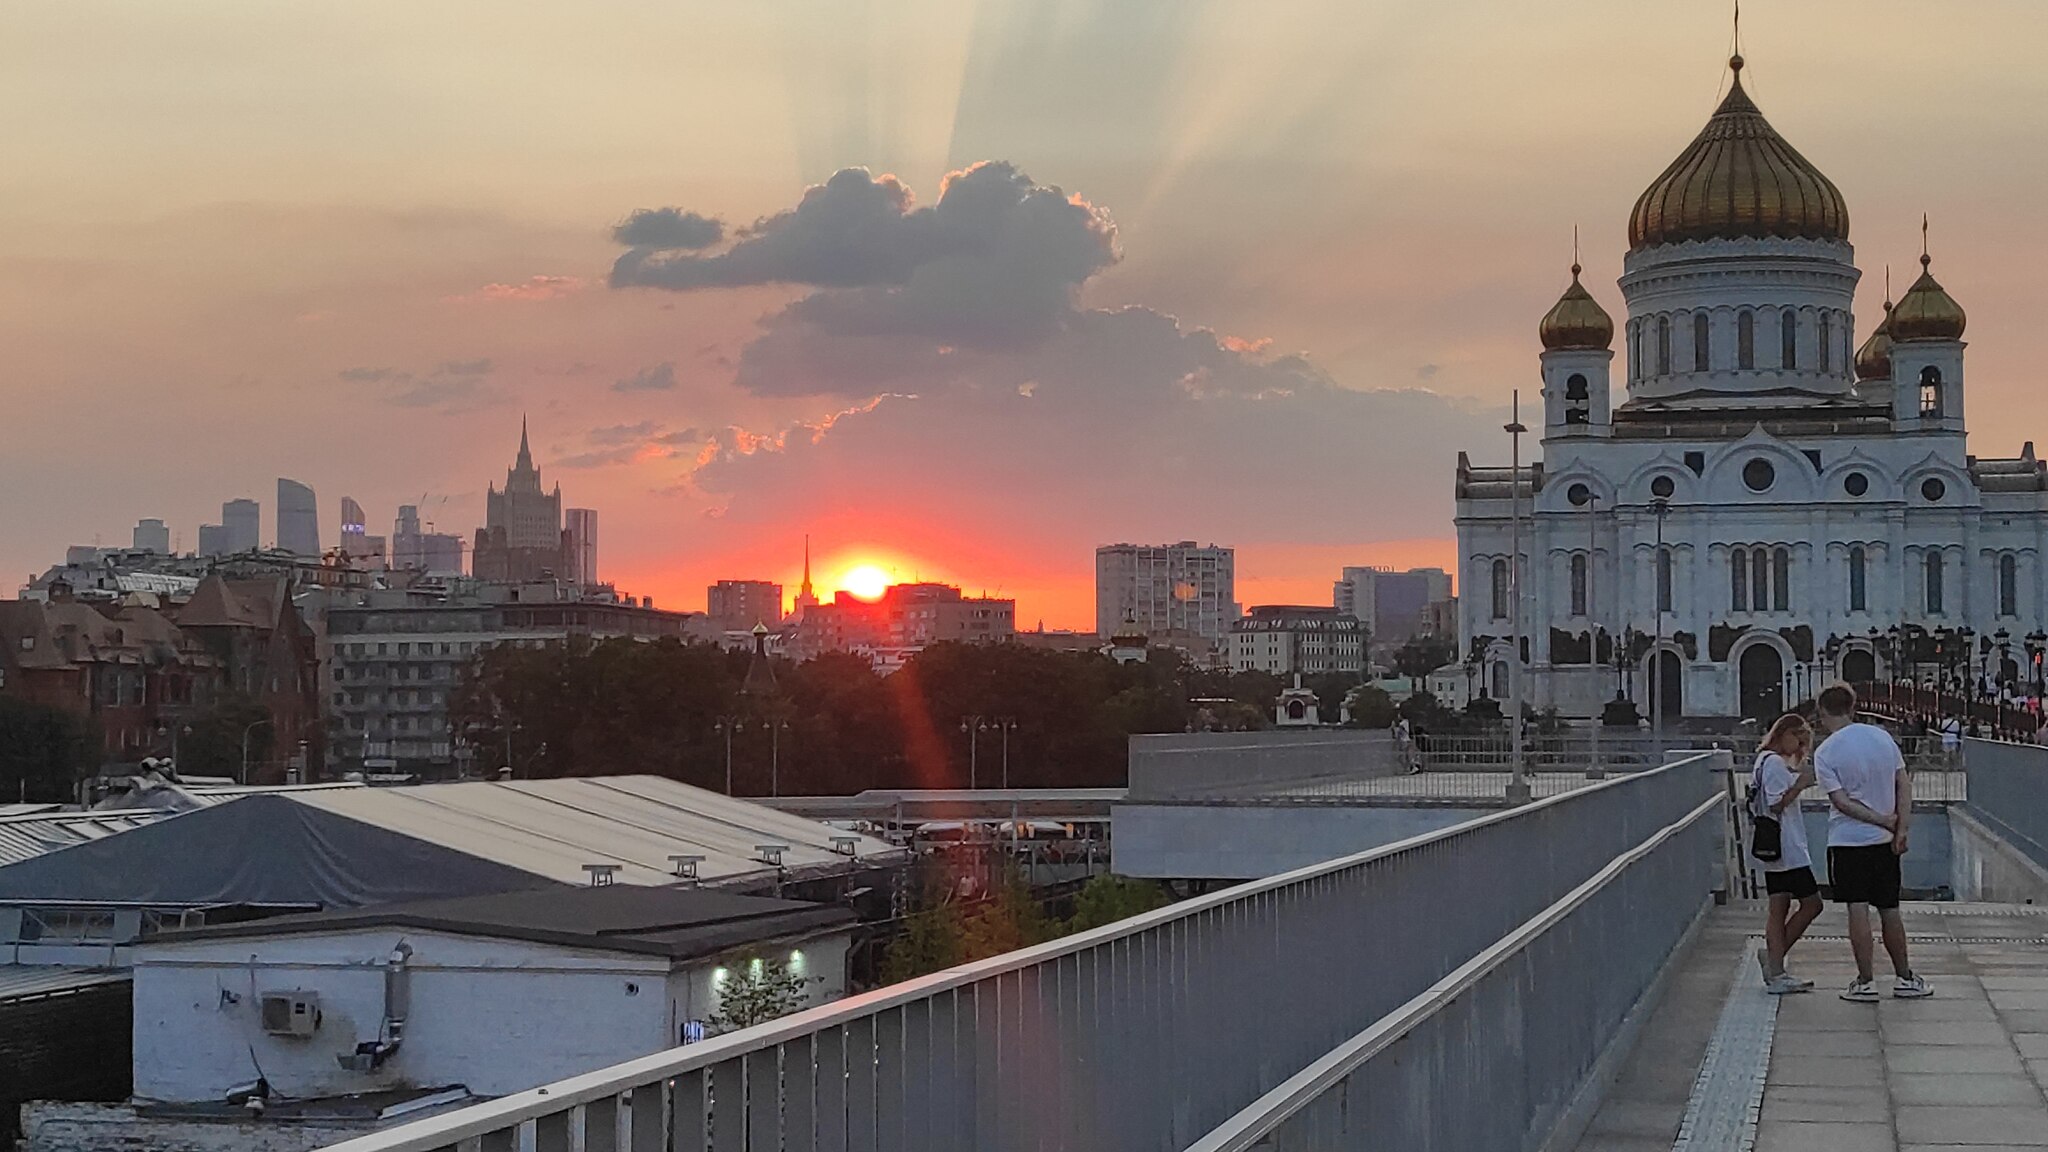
{"x":1874,"y":359}
{"x":1576,"y":322}
{"x":1738,"y":179}
{"x":1927,"y":311}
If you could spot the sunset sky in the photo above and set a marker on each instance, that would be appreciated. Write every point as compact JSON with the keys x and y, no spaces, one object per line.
{"x":1250,"y":273}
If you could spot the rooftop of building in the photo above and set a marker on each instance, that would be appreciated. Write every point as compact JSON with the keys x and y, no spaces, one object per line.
{"x":677,"y":922}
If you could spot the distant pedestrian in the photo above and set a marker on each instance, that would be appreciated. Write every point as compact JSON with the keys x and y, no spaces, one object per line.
{"x":1860,"y":768}
{"x":1783,"y":770}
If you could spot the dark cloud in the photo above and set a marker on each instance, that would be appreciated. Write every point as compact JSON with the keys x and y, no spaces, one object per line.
{"x":451,"y":391}
{"x":464,"y":368}
{"x":659,"y":378}
{"x":668,"y":228}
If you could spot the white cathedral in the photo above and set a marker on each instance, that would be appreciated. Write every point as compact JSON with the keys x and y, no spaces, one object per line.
{"x":1762,"y":509}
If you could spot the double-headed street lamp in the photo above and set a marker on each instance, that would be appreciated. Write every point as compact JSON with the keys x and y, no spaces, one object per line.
{"x":252,"y":726}
{"x":1007,"y":725}
{"x":974,"y":726}
{"x":775,"y":729}
{"x":727,"y":725}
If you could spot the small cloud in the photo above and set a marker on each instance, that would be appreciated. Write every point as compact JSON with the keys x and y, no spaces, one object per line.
{"x":623,"y":433}
{"x":1427,"y":371}
{"x":370,"y":375}
{"x":668,"y":228}
{"x":681,"y":436}
{"x":599,"y":459}
{"x":441,"y":391}
{"x":1244,"y":347}
{"x":465,"y":367}
{"x":531,"y":289}
{"x":659,"y":378}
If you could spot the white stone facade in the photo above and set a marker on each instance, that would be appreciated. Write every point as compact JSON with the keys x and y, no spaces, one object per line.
{"x":1803,"y":513}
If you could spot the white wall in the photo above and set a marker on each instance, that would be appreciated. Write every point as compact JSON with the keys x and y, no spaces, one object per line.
{"x":497,"y":1016}
{"x":694,"y":990}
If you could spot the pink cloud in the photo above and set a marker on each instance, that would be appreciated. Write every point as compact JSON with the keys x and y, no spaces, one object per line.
{"x":533,"y":288}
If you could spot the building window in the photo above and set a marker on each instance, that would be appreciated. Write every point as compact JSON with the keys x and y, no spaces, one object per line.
{"x":2008,"y":585}
{"x":1759,"y":475}
{"x":1664,"y":580}
{"x":1575,"y":387}
{"x":1788,"y":353}
{"x":1663,"y":345}
{"x":1579,"y":575}
{"x":1934,"y":575}
{"x":1700,"y":342}
{"x":1662,"y":487}
{"x":1745,"y":339}
{"x":1930,"y":392}
{"x":1826,"y":340}
{"x":1738,"y":581}
{"x":1781,"y":580}
{"x":1500,"y":589}
{"x":1760,"y":578}
{"x":1635,"y":350}
{"x":1856,"y":484}
{"x":1858,"y":582}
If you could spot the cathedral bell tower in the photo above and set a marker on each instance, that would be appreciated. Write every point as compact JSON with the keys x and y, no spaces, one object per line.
{"x":1578,"y":336}
{"x":1926,"y":331}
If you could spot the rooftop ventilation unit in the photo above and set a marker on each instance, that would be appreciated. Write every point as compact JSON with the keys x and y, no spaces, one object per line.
{"x":685,"y":865}
{"x":771,"y":853}
{"x":601,"y":874}
{"x":294,"y":1013}
{"x":846,"y":845}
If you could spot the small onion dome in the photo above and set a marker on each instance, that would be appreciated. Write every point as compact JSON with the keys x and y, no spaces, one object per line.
{"x":1576,"y":322}
{"x":760,"y":629}
{"x":1130,"y":636}
{"x":1738,"y":179}
{"x":1927,"y":311}
{"x":1874,"y":359}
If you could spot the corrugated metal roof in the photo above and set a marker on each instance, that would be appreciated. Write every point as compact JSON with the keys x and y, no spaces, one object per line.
{"x":553,"y":828}
{"x":22,"y":981}
{"x":207,"y":795}
{"x":26,"y":837}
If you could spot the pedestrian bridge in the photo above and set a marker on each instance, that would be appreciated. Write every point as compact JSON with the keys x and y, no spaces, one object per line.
{"x":1567,"y":973}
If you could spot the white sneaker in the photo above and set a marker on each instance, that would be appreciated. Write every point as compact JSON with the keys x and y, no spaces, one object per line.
{"x":1787,"y":985}
{"x":1911,"y":988}
{"x":1862,"y":992}
{"x":1799,"y":982}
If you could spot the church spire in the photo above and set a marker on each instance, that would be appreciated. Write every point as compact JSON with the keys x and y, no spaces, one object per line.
{"x":806,"y":590}
{"x":525,"y":463}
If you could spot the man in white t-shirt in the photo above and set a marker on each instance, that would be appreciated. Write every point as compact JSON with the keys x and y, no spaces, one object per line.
{"x":1861,"y":770}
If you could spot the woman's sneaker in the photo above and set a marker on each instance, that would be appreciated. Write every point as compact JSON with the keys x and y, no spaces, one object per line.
{"x":1862,"y":992}
{"x":1785,"y":985}
{"x":1911,"y":988}
{"x":1799,"y":983}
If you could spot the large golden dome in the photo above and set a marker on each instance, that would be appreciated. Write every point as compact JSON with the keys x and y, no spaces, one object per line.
{"x":1576,"y":321}
{"x":1874,"y":359}
{"x":1738,"y":179}
{"x":1927,"y":311}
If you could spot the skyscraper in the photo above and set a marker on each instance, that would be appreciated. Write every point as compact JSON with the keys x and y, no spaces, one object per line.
{"x":153,"y":536}
{"x":1166,"y":588}
{"x":242,"y":519}
{"x":580,"y":527}
{"x":413,"y":547}
{"x":736,"y":605}
{"x":298,"y":519}
{"x":522,"y":534}
{"x":356,"y":541}
{"x":805,"y":596}
{"x":1390,"y":603}
{"x":213,"y":540}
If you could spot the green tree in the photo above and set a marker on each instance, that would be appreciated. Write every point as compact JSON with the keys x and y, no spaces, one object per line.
{"x":44,"y":751}
{"x":1108,"y":898}
{"x":1371,"y":707}
{"x":1421,"y":655}
{"x":211,"y":741}
{"x":757,"y":992}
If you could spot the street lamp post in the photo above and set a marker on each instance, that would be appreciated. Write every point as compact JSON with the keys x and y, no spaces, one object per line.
{"x":726,"y":725}
{"x":974,"y":726}
{"x":775,"y":729}
{"x":251,"y":727}
{"x":1518,"y":783}
{"x":1008,"y":725}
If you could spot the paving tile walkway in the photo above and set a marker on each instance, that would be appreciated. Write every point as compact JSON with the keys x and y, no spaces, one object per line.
{"x":1967,"y":1069}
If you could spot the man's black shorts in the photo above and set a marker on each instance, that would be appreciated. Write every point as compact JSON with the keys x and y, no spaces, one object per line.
{"x":1798,"y":883}
{"x":1865,"y":874}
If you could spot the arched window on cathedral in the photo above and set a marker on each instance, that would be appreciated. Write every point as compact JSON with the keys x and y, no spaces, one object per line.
{"x":1500,"y":680}
{"x":1664,"y":580}
{"x":1700,"y":342}
{"x":1827,"y":340}
{"x":1760,"y":578}
{"x":2008,"y":585}
{"x":1930,"y":392}
{"x":1635,"y":349}
{"x":1858,"y":581}
{"x":1781,"y":580}
{"x":1738,"y":580}
{"x":1576,"y":396}
{"x":1663,"y":345}
{"x":1745,"y":339}
{"x":1788,"y":338}
{"x":1500,"y":589}
{"x":1934,"y":576}
{"x":1579,"y":579}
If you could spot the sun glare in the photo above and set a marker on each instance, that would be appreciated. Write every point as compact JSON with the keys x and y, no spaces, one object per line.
{"x":865,"y":581}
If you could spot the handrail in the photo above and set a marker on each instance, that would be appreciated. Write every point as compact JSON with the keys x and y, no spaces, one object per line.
{"x":471,"y":1122}
{"x":1243,"y":1131}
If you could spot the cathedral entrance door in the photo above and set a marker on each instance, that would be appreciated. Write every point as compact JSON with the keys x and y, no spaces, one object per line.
{"x":1859,"y":666}
{"x":1762,"y":677}
{"x":1667,"y":689}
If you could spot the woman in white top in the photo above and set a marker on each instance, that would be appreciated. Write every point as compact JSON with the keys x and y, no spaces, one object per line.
{"x":1784,"y":769}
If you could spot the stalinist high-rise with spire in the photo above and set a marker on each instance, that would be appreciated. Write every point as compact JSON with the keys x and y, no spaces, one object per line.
{"x":522,"y":536}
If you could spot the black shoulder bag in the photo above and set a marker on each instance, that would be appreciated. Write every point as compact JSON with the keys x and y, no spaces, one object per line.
{"x":1766,"y":836}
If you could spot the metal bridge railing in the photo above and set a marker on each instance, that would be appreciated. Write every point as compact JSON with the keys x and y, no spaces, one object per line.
{"x":2009,"y":788}
{"x":1145,"y":1034}
{"x":1495,"y":1054}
